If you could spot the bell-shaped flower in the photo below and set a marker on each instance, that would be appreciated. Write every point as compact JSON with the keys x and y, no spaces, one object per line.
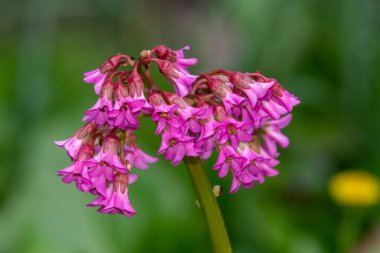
{"x":78,"y":171}
{"x":116,"y":199}
{"x":81,"y":137}
{"x":99,"y":112}
{"x":138,"y":158}
{"x":228,"y":160}
{"x":176,"y":146}
{"x":95,"y":77}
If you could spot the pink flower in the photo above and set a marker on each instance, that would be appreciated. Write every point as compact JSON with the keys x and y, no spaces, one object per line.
{"x":109,"y":154}
{"x":223,"y":91}
{"x":273,"y":135}
{"x":255,"y":169}
{"x":81,"y":137}
{"x":278,"y":102}
{"x":238,"y":114}
{"x":209,"y":128}
{"x":100,"y":174}
{"x":183,"y":81}
{"x":206,"y":148}
{"x":164,"y":116}
{"x":228,"y":160}
{"x":116,"y":199}
{"x":96,"y":77}
{"x":123,"y":118}
{"x":175,"y":56}
{"x":232,"y":129}
{"x":99,"y":112}
{"x":136,"y":91}
{"x":181,"y":78}
{"x":125,"y":111}
{"x":244,"y":178}
{"x":231,"y":99}
{"x":247,"y":176}
{"x":138,"y":158}
{"x":181,"y":61}
{"x":173,"y":64}
{"x":192,"y":115}
{"x":254,"y":115}
{"x":252,"y":89}
{"x":260,"y":164}
{"x":263,"y":168}
{"x":176,"y":147}
{"x":78,"y":171}
{"x":206,"y":141}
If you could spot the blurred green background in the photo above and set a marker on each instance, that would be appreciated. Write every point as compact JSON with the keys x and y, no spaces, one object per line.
{"x":325,"y":52}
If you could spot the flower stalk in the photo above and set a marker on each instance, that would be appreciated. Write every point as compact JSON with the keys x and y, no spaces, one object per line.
{"x":214,"y":219}
{"x":349,"y":229}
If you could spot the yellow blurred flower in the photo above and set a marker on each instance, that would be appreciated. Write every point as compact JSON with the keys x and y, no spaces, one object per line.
{"x":355,"y":188}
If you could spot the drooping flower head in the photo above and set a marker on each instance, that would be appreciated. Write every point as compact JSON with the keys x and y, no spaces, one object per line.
{"x":238,"y":115}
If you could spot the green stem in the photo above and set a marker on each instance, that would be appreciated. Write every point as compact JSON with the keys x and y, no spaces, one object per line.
{"x":349,"y":229}
{"x":209,"y":206}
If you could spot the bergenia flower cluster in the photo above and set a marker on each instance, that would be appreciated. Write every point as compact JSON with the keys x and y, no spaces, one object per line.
{"x":240,"y":115}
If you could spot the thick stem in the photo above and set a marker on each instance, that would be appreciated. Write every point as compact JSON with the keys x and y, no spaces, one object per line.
{"x":209,"y":206}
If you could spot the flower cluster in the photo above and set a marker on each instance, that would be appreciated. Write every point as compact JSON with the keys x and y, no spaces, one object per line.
{"x":238,"y":114}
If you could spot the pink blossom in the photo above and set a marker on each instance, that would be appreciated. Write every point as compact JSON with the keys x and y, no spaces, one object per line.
{"x":246,"y":176}
{"x":192,"y":115}
{"x":81,"y":137}
{"x":254,"y":115}
{"x":164,"y":116}
{"x":138,"y":158}
{"x":273,"y":135}
{"x":96,"y":77}
{"x":222,"y":90}
{"x":99,"y":112}
{"x":109,"y":154}
{"x":231,"y":129}
{"x":125,"y":111}
{"x":263,"y":165}
{"x":173,"y":64}
{"x":181,"y":61}
{"x":100,"y":174}
{"x":136,"y":91}
{"x":116,"y":198}
{"x":78,"y":171}
{"x":181,"y":78}
{"x":206,"y":148}
{"x":176,"y":147}
{"x":175,"y":56}
{"x":234,"y":131}
{"x":252,"y":89}
{"x":208,"y":129}
{"x":278,"y":102}
{"x":240,"y":115}
{"x":206,"y":141}
{"x":182,"y":81}
{"x":228,"y":159}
